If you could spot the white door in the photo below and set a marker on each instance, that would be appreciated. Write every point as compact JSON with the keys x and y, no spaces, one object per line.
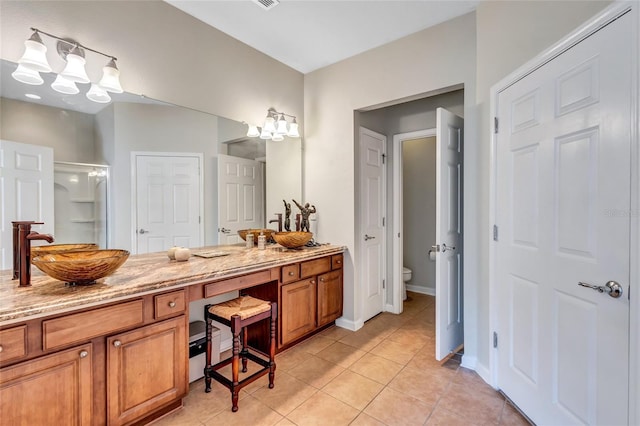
{"x":240,"y":197}
{"x":26,"y":191}
{"x":562,"y":211}
{"x":372,"y":207}
{"x":168,"y":199}
{"x":449,"y":154}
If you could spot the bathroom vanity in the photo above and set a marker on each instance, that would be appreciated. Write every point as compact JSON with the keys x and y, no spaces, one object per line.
{"x":83,"y":355}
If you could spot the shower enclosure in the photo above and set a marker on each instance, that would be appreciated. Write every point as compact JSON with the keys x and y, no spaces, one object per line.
{"x":80,"y":200}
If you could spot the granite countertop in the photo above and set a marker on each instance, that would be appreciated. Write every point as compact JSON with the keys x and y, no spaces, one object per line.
{"x":141,"y":274}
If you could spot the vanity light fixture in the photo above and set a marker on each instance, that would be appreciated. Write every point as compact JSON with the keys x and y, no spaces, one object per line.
{"x":275,"y":127}
{"x":34,"y":61}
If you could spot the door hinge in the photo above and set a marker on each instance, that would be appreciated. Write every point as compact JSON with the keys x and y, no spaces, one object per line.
{"x":495,"y":232}
{"x":495,"y":339}
{"x":495,"y":125}
{"x":383,"y":284}
{"x":199,"y":219}
{"x":383,"y":157}
{"x":383,"y":221}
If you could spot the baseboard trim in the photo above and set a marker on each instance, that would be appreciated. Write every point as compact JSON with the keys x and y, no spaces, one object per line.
{"x":422,"y":290}
{"x":349,"y":325}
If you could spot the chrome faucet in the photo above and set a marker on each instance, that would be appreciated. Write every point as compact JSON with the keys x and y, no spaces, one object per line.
{"x":278,"y":220}
{"x":22,"y":237}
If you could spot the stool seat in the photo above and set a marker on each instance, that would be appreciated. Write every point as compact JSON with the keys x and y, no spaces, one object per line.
{"x":238,"y":314}
{"x":244,"y":306}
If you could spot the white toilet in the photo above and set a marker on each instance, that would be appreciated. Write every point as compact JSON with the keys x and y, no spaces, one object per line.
{"x":406,"y":276}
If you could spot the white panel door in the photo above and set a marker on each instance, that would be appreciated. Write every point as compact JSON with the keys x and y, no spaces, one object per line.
{"x":372,"y":207}
{"x":449,"y":155}
{"x":562,"y":209}
{"x":167,"y":202}
{"x":240,"y":197}
{"x":26,"y":191}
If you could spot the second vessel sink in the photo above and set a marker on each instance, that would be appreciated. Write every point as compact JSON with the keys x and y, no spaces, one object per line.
{"x":80,"y":267}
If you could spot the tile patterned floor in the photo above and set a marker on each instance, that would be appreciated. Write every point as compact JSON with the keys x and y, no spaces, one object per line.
{"x":382,"y":374}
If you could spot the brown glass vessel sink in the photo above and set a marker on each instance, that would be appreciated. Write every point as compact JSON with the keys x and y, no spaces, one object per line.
{"x":59,"y":248}
{"x":80,"y":267}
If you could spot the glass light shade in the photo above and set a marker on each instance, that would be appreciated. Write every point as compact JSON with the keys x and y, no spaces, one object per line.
{"x":27,"y":75}
{"x":282,"y":126}
{"x":269,"y":125}
{"x":74,"y":70}
{"x":277,"y":137}
{"x":265,"y":135}
{"x":98,"y":94}
{"x":253,"y":131}
{"x":111,"y":78}
{"x":35,"y":55}
{"x":293,"y":130}
{"x":65,"y":86}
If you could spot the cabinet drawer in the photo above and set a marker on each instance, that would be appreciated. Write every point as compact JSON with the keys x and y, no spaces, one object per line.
{"x":315,"y":267}
{"x":336,"y":261}
{"x":84,"y":326}
{"x":13,"y":343}
{"x":239,"y":283}
{"x":169,"y":304}
{"x":290,"y":273}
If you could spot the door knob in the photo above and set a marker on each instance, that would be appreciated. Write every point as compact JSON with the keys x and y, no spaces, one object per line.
{"x":612,"y":288}
{"x":367,"y":237}
{"x":224,"y":230}
{"x":143,"y":231}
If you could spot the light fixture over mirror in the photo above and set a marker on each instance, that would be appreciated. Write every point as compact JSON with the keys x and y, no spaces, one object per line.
{"x":34,"y":61}
{"x":275,"y":127}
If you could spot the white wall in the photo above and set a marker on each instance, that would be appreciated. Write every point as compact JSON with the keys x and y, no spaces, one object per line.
{"x":69,"y":133}
{"x":163,"y":53}
{"x":438,"y":57}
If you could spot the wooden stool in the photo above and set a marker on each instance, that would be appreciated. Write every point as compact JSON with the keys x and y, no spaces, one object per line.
{"x":238,"y":314}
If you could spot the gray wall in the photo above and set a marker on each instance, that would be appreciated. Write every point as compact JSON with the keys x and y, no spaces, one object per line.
{"x":419,"y":210}
{"x":69,"y":133}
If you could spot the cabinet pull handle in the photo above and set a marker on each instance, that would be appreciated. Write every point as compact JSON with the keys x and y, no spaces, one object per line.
{"x":117,"y":343}
{"x":83,"y":354}
{"x":172,"y":304}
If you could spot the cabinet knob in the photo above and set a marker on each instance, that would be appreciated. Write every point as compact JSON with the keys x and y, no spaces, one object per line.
{"x":322,"y":279}
{"x":1,"y":348}
{"x":313,"y":281}
{"x":291,"y":273}
{"x":117,"y":343}
{"x":84,"y":354}
{"x":172,"y":304}
{"x":338,"y":262}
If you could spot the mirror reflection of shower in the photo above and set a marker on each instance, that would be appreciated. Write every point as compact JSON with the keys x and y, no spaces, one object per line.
{"x":80,"y":199}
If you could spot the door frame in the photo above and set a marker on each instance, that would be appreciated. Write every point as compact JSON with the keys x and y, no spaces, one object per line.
{"x":600,"y":20}
{"x":134,"y":190}
{"x":397,"y":214}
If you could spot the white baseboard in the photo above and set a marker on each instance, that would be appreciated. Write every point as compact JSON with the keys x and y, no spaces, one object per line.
{"x":349,"y":325}
{"x":422,"y":290}
{"x":469,"y":362}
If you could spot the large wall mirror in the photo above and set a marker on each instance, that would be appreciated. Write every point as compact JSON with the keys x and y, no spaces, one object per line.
{"x":131,"y":134}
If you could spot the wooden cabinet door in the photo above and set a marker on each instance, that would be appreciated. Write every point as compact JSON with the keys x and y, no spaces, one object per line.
{"x":298,"y":309}
{"x":51,"y":390}
{"x":146,"y":369}
{"x":329,"y":297}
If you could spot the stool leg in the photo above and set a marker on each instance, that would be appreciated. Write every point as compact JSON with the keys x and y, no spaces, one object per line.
{"x":244,"y":350}
{"x":207,"y":367}
{"x":235,"y":362}
{"x":272,"y":344}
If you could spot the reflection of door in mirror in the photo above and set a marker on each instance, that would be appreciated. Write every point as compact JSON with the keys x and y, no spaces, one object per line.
{"x":81,"y":203}
{"x":26,"y":188}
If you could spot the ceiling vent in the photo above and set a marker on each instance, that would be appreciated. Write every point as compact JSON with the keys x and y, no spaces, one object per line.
{"x":267,"y":4}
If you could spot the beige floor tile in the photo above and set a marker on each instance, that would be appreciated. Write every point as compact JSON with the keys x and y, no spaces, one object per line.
{"x":315,"y":344}
{"x":472,"y":381}
{"x":425,"y":360}
{"x":409,"y":337}
{"x":204,"y":405}
{"x":362,"y":340}
{"x":341,"y":354}
{"x":182,"y":417}
{"x":420,"y":384}
{"x":250,"y":412}
{"x":291,"y":358}
{"x":316,"y":372}
{"x":323,"y":410}
{"x":394,"y":408}
{"x":335,"y":332}
{"x":474,"y":406}
{"x":366,"y":420}
{"x":285,"y":422}
{"x":511,"y":417}
{"x":353,"y":389}
{"x":287,"y":394}
{"x":396,"y":352}
{"x":377,"y":368}
{"x":442,"y":417}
